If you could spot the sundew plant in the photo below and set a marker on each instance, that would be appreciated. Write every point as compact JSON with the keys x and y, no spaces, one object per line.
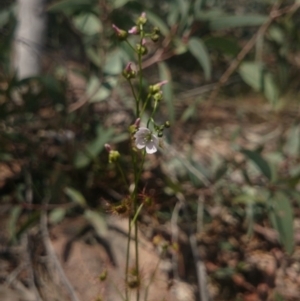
{"x":145,"y":139}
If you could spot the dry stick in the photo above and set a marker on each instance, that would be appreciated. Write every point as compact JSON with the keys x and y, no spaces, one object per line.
{"x":28,"y":259}
{"x":174,"y":231}
{"x":200,"y":267}
{"x":51,"y":253}
{"x":274,"y":14}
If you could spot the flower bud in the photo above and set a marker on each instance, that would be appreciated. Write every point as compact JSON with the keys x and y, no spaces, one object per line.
{"x":107,"y":147}
{"x":158,"y":96}
{"x":121,"y":34}
{"x":128,"y":72}
{"x":103,"y":275}
{"x":154,"y":37}
{"x":141,"y":49}
{"x":134,"y":30}
{"x":113,"y":156}
{"x":167,"y":124}
{"x":142,"y":19}
{"x":137,"y":122}
{"x":157,"y":87}
{"x":156,"y":30}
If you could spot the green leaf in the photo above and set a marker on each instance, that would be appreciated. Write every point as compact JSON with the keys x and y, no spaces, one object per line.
{"x":57,"y":215}
{"x":75,"y":196}
{"x":260,"y":80}
{"x":259,"y":161}
{"x":71,"y":6}
{"x":189,"y":112}
{"x":173,"y":15}
{"x":97,"y":221}
{"x":277,"y":34}
{"x":114,"y":63}
{"x":225,"y":45}
{"x":165,"y":74}
{"x":270,"y":88}
{"x":208,"y":15}
{"x":251,"y":72}
{"x":98,"y":91}
{"x":119,"y":138}
{"x":4,"y":17}
{"x":32,"y":219}
{"x":88,"y":24}
{"x":183,"y":7}
{"x":91,"y":151}
{"x":94,"y":56}
{"x":179,"y":46}
{"x":119,"y":3}
{"x":199,"y":51}
{"x":221,"y":171}
{"x":281,"y":216}
{"x":225,"y":22}
{"x":277,"y":296}
{"x":12,"y":222}
{"x":292,"y":145}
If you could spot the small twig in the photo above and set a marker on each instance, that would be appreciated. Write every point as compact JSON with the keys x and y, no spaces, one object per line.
{"x":30,"y":268}
{"x":28,"y":258}
{"x":200,"y":210}
{"x":174,"y":232}
{"x":14,"y":274}
{"x":274,"y":14}
{"x":51,"y":253}
{"x":200,"y":267}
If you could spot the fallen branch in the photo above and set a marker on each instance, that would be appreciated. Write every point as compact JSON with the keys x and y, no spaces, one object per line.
{"x":52,"y":255}
{"x":274,"y":14}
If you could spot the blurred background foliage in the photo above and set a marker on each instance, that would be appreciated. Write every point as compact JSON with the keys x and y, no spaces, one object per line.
{"x":54,"y":126}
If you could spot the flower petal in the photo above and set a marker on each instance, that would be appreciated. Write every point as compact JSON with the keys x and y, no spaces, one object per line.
{"x":151,"y":147}
{"x":142,"y":131}
{"x":140,"y":142}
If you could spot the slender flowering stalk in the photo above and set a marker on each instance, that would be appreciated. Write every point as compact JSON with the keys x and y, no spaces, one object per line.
{"x":145,"y":139}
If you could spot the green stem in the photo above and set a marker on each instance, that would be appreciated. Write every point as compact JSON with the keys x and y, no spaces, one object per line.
{"x":133,"y":221}
{"x":140,"y":85}
{"x":145,"y":104}
{"x":130,"y":46}
{"x":142,"y":34}
{"x":122,"y":174}
{"x":127,"y":260}
{"x":153,"y":112}
{"x":136,"y":100}
{"x":132,"y":90}
{"x":133,"y":159}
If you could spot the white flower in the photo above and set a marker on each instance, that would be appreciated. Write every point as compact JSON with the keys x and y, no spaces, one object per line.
{"x":145,"y":138}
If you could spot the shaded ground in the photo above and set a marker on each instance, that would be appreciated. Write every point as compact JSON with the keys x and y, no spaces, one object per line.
{"x":242,"y":262}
